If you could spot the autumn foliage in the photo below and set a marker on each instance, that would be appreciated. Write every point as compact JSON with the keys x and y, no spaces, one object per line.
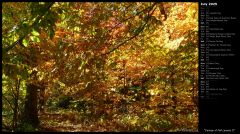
{"x":127,"y":66}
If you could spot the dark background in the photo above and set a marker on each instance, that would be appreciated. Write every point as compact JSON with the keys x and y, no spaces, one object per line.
{"x":222,"y":112}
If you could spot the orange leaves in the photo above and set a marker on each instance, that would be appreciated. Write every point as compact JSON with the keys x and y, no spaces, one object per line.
{"x":48,"y":65}
{"x":104,"y":50}
{"x":115,"y":13}
{"x":119,"y":32}
{"x":115,"y":28}
{"x":155,"y":68}
{"x":62,"y":33}
{"x":178,"y":24}
{"x":111,"y":23}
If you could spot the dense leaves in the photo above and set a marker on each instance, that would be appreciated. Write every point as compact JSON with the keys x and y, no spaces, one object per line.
{"x":127,"y":66}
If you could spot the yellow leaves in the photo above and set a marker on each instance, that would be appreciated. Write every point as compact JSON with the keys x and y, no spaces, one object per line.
{"x":193,"y":11}
{"x":157,"y":14}
{"x":150,"y":112}
{"x":61,"y":84}
{"x":78,"y":64}
{"x":136,"y":18}
{"x":80,"y":12}
{"x":174,"y":44}
{"x":181,"y":20}
{"x":134,"y":120}
{"x":154,"y":91}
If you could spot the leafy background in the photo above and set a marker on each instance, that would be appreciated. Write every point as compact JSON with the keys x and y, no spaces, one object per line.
{"x":100,"y":66}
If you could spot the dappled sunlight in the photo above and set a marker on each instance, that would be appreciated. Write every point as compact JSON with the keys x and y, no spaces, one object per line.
{"x":88,"y":66}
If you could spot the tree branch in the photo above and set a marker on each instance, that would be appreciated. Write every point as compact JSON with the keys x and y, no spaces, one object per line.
{"x":162,"y":10}
{"x":8,"y":102}
{"x":130,"y":17}
{"x":140,"y":29}
{"x":5,"y":50}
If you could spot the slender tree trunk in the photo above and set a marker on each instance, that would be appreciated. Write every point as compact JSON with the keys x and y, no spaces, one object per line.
{"x":30,"y":109}
{"x":15,"y":110}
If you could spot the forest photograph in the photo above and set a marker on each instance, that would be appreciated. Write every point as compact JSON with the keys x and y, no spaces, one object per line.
{"x":100,"y":67}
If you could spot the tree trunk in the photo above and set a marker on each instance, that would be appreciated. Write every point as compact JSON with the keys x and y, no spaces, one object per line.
{"x":30,"y":109}
{"x":41,"y":99}
{"x":15,"y":110}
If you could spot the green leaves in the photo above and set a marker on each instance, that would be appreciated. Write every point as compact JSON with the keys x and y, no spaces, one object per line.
{"x":51,"y":33}
{"x":24,"y":74}
{"x":34,"y":39}
{"x":35,"y":33}
{"x":83,"y":63}
{"x":62,"y":16}
{"x":25,"y":42}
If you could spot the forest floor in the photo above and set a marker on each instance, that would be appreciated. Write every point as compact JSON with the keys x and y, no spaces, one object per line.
{"x":68,"y":120}
{"x":71,"y":121}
